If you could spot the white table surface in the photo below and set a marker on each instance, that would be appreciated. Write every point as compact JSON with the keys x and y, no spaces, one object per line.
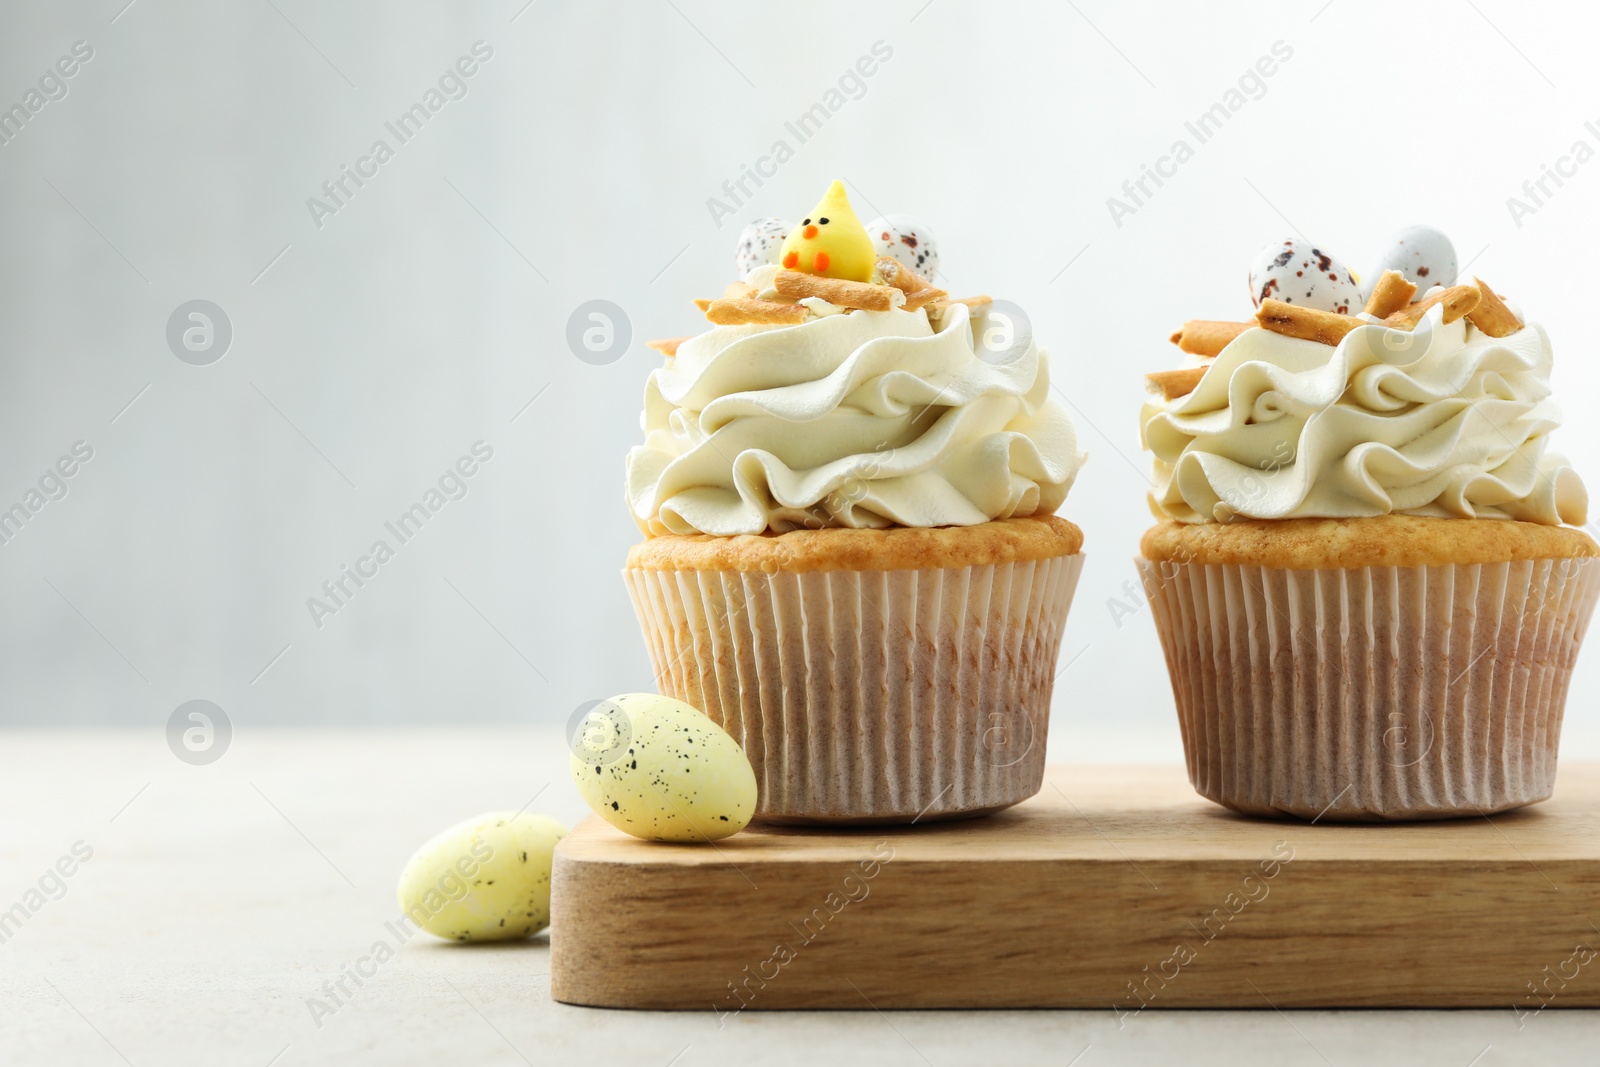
{"x":220,"y":898}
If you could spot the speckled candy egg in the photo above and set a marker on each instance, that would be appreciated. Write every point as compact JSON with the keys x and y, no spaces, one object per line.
{"x":1423,"y":254}
{"x":1297,"y":272}
{"x":907,"y":242}
{"x":487,"y":879}
{"x":656,"y":768}
{"x":759,"y":243}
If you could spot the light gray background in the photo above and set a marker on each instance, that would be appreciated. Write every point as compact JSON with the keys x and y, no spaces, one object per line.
{"x":426,"y":314}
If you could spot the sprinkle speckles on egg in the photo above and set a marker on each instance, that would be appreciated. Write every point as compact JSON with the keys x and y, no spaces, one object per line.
{"x":1296,"y":272}
{"x":760,"y":244}
{"x":465,"y":883}
{"x":684,"y":778}
{"x":1421,"y":253}
{"x":907,"y":242}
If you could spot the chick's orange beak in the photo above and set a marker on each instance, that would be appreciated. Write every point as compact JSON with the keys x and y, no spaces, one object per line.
{"x":809,"y":232}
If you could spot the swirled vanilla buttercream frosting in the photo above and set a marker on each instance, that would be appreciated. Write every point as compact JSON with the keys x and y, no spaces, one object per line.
{"x":1434,"y":407}
{"x":839,"y":388}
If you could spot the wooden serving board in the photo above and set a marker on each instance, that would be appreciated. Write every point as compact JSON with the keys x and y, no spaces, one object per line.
{"x":1115,"y":887}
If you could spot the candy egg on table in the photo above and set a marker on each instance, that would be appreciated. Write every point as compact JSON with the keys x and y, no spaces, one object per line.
{"x":487,"y":879}
{"x":1423,"y":254}
{"x":658,"y":769}
{"x":760,"y":243}
{"x":906,"y":241}
{"x":1297,"y":272}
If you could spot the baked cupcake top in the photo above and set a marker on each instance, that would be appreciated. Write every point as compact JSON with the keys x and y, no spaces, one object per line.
{"x":839,"y":387}
{"x":1413,"y":395}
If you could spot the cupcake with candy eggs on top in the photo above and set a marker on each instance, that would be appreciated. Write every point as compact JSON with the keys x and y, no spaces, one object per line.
{"x":851,"y":559}
{"x":1366,"y":578}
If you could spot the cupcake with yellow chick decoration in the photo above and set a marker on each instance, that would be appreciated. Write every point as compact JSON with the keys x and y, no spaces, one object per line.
{"x":851,"y":558}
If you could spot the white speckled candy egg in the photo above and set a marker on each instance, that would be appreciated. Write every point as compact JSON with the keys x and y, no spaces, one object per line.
{"x":906,"y":241}
{"x":1423,"y":254}
{"x":759,"y":244}
{"x":487,"y":879}
{"x":656,"y":768}
{"x":1297,"y":272}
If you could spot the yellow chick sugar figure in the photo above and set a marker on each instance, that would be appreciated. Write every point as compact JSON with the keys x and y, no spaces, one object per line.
{"x":831,"y":242}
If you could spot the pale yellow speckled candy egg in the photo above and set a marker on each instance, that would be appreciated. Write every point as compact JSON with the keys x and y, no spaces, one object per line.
{"x":487,"y":879}
{"x":656,"y":768}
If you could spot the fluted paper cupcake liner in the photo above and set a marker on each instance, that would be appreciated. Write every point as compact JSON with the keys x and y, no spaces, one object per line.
{"x":869,"y":696}
{"x":1372,"y":693}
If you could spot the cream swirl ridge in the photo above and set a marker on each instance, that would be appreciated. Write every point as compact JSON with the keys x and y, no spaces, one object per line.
{"x":866,"y":419}
{"x":1444,"y":421}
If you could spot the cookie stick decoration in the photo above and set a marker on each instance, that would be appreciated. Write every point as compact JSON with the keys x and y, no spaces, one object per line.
{"x":830,"y":242}
{"x":1316,"y":305}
